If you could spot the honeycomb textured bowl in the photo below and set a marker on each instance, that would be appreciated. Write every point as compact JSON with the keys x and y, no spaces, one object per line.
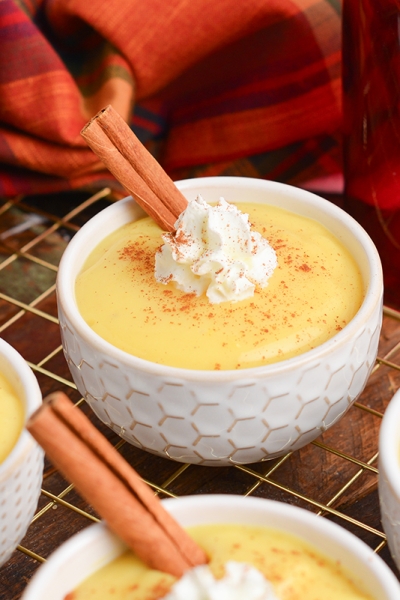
{"x":224,"y":417}
{"x":21,"y":472}
{"x":94,"y":547}
{"x":389,"y":475}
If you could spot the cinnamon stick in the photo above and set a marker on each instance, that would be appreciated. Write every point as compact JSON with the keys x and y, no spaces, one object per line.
{"x":112,"y":487}
{"x":111,"y":138}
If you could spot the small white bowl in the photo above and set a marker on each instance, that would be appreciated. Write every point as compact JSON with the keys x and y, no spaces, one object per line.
{"x":95,"y":546}
{"x":22,"y":471}
{"x":389,"y":475}
{"x":224,"y":417}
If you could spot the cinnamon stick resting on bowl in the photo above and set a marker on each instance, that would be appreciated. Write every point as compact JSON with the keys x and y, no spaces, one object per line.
{"x":102,"y":476}
{"x":114,"y":142}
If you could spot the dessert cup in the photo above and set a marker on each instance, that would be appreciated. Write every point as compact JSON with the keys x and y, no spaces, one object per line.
{"x":224,"y":417}
{"x":389,"y":475}
{"x":22,"y":470}
{"x":96,"y":546}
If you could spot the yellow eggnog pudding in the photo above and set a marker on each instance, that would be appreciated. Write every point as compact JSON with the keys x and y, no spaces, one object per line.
{"x":11,"y":417}
{"x":295,"y":570}
{"x":315,"y":290}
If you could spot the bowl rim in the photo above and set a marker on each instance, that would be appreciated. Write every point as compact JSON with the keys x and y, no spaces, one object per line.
{"x":203,"y":506}
{"x":373,"y":293}
{"x":32,"y":398}
{"x":389,"y":444}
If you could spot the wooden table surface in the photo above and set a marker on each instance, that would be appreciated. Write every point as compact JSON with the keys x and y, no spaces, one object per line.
{"x":335,"y":476}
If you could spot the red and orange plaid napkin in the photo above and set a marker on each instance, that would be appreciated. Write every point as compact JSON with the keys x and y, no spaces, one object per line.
{"x":213,"y":86}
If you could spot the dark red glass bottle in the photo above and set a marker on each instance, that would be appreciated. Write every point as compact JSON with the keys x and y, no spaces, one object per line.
{"x":371,"y":121}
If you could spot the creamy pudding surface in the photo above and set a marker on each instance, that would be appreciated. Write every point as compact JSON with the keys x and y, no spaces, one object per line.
{"x":11,"y":417}
{"x":315,"y":290}
{"x":296,"y":570}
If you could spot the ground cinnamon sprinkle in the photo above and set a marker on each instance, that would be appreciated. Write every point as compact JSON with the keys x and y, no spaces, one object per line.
{"x":186,"y":302}
{"x":305,"y":268}
{"x":181,"y":238}
{"x":139,"y":253}
{"x":160,"y":589}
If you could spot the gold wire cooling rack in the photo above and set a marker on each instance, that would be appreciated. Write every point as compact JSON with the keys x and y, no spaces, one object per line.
{"x":335,"y":476}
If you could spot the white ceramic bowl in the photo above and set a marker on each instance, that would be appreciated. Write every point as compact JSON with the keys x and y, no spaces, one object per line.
{"x":22,"y":470}
{"x":224,"y":417}
{"x":389,"y":475}
{"x":95,"y":546}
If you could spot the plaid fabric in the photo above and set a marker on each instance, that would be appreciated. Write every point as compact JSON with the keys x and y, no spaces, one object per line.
{"x":212,"y":87}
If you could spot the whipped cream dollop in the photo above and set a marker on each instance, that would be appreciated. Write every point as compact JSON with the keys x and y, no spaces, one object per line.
{"x":241,"y":582}
{"x":214,"y":251}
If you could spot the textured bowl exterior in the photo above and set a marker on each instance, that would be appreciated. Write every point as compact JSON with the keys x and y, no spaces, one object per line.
{"x":94,"y":547}
{"x":225,"y":417}
{"x":21,"y":472}
{"x":389,"y":475}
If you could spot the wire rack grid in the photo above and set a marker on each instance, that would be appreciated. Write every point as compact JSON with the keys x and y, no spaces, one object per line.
{"x":335,"y":476}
